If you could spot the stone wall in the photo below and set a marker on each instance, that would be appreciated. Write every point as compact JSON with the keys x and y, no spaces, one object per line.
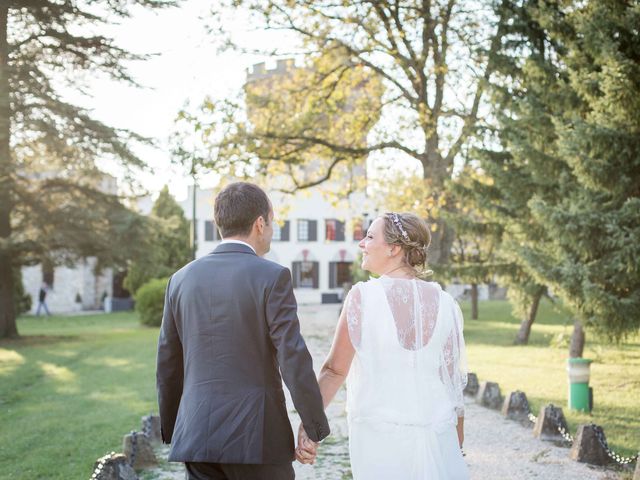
{"x":68,"y":283}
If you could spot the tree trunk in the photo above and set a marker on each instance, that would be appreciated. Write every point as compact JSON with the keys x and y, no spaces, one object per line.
{"x":441,"y":243}
{"x":435,"y":173}
{"x":577,"y":340}
{"x":7,"y":310}
{"x":522,"y":338}
{"x":474,"y":301}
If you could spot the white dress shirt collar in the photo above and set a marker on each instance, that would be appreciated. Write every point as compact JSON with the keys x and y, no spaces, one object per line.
{"x":240,"y":242}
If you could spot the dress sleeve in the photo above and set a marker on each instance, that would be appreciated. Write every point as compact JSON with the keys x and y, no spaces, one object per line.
{"x":453,"y":367}
{"x":353,"y":309}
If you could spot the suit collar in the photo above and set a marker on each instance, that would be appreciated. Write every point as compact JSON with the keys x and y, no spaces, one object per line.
{"x":233,"y":248}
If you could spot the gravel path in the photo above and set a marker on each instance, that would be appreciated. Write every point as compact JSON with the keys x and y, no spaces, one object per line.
{"x":496,"y":448}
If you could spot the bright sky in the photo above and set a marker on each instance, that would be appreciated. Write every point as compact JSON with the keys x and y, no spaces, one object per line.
{"x":188,"y":68}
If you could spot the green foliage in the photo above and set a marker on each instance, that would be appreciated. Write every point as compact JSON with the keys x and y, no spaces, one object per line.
{"x":571,"y":141}
{"x":168,"y":244}
{"x":150,"y":301}
{"x":357,"y":273}
{"x":477,"y":236}
{"x":172,"y":231}
{"x":387,"y":77}
{"x":55,"y":203}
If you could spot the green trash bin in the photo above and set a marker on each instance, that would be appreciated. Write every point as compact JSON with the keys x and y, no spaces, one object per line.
{"x":580,"y":394}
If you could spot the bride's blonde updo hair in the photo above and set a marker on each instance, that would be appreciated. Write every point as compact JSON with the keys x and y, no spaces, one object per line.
{"x":411,"y":233}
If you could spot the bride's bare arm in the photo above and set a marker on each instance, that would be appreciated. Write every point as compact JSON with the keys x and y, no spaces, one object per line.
{"x":336,"y":367}
{"x":332,"y":375}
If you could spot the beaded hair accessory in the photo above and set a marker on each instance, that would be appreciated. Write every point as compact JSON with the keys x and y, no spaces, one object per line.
{"x":396,"y":220}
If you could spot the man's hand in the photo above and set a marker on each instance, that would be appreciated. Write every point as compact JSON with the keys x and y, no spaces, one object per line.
{"x":307,"y":449}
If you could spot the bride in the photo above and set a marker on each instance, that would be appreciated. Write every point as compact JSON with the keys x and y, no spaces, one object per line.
{"x":399,"y":346}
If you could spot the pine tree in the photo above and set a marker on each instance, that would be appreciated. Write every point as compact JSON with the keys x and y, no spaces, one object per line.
{"x":473,"y":256}
{"x":567,"y":91}
{"x":168,"y":244}
{"x":491,"y":202}
{"x":593,"y":258}
{"x":496,"y":194}
{"x":52,"y":203}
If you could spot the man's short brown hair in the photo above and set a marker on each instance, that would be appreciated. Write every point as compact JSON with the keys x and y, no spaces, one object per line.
{"x":237,"y":207}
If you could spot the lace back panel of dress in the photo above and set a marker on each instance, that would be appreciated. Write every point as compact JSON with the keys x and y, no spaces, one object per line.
{"x":414,"y":305}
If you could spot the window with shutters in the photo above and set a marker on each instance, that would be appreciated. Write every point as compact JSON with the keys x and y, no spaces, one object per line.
{"x":307,"y":230}
{"x":339,"y":274}
{"x":281,"y":232}
{"x":211,"y":233}
{"x":334,"y":230}
{"x":305,"y":275}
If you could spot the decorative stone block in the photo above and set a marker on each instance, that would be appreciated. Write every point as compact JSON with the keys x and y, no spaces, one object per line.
{"x":472,"y":385}
{"x":548,"y":423}
{"x":137,"y":448}
{"x":489,"y":395}
{"x":114,"y":466}
{"x":516,"y":406}
{"x":151,"y":427}
{"x":586,"y":447}
{"x":636,"y":473}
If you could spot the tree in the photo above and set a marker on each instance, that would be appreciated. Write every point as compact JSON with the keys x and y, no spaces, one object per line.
{"x":473,"y":256}
{"x":571,"y":143}
{"x":46,"y":47}
{"x":434,"y":60}
{"x":22,"y":301}
{"x":592,"y":259}
{"x":169,"y":248}
{"x":492,"y":203}
{"x":516,"y":163}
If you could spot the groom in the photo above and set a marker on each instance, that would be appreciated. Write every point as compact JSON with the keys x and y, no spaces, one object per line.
{"x":229,"y":330}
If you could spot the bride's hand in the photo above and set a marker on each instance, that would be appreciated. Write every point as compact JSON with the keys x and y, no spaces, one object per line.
{"x":307,"y":449}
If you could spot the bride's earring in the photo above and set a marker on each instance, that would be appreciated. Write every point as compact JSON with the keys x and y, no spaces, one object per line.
{"x":389,"y":254}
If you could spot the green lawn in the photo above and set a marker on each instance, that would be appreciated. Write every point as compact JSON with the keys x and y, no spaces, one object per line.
{"x":69,"y":390}
{"x":539,"y":369}
{"x":73,"y":386}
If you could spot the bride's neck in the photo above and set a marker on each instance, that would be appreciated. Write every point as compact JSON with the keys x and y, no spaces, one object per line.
{"x":400,"y":271}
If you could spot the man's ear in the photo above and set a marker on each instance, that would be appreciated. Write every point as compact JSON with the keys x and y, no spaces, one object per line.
{"x":260,"y":224}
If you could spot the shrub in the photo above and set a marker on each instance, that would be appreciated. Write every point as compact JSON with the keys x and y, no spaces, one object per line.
{"x":150,"y":301}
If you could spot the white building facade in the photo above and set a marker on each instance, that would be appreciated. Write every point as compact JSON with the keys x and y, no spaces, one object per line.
{"x":315,"y":239}
{"x":72,"y":288}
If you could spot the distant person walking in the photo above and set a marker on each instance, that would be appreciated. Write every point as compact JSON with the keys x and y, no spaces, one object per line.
{"x":42,"y":295}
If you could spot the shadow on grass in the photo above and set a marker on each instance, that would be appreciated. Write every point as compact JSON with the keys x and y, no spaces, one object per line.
{"x":35,"y":340}
{"x":66,"y":400}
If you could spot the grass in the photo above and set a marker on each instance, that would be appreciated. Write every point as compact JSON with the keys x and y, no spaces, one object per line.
{"x":539,"y":369}
{"x":71,"y":387}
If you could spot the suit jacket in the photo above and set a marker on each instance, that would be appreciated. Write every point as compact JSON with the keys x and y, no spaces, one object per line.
{"x":229,"y":331}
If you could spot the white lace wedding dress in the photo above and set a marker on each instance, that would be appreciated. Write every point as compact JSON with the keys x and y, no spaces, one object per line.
{"x":404,"y":389}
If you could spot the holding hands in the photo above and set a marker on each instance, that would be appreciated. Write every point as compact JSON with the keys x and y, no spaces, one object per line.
{"x":306,"y":450}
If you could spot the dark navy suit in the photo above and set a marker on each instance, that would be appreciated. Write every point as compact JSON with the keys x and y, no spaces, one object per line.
{"x":230,"y":335}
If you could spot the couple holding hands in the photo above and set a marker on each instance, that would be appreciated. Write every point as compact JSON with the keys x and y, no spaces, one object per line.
{"x":230,"y":336}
